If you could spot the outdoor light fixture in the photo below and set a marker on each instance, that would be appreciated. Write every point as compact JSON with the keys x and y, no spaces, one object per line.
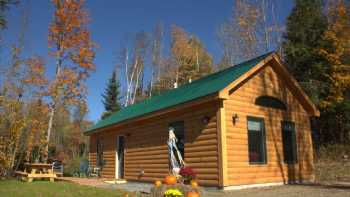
{"x":235,"y":119}
{"x":141,"y":173}
{"x":205,"y":120}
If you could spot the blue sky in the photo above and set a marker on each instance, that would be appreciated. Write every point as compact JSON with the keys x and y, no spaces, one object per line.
{"x":111,"y":19}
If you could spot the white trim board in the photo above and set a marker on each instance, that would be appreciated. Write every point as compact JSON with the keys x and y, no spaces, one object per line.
{"x":238,"y":187}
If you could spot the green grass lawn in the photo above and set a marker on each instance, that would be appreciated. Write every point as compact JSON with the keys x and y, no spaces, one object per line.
{"x":16,"y":188}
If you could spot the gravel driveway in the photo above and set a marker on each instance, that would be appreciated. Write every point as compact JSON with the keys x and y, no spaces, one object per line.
{"x":339,"y":190}
{"x":287,"y":191}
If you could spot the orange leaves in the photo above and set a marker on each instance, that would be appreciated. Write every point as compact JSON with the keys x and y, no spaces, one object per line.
{"x":68,"y":29}
{"x":71,"y":44}
{"x":69,"y":15}
{"x":84,"y":58}
{"x":36,"y":72}
{"x":68,"y":34}
{"x":68,"y":87}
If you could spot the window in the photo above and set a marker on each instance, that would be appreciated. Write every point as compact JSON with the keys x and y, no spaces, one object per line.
{"x":99,"y":152}
{"x":289,"y":142}
{"x":180,"y":135}
{"x":256,"y":141}
{"x":271,"y":102}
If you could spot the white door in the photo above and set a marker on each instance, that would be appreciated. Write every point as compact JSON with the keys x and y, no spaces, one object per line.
{"x":119,"y":157}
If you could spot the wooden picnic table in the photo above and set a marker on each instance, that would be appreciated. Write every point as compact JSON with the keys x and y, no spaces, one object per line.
{"x":37,"y":170}
{"x":38,"y":166}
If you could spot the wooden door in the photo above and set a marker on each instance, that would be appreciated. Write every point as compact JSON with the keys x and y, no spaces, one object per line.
{"x":119,"y":157}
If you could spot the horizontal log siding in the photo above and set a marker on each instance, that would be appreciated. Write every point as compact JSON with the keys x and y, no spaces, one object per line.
{"x":146,"y":149}
{"x":241,"y":102}
{"x":92,"y":151}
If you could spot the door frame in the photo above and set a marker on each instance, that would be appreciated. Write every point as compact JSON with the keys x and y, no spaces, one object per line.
{"x":116,"y":155}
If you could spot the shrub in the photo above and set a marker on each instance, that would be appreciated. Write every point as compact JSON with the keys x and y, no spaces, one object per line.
{"x":73,"y":167}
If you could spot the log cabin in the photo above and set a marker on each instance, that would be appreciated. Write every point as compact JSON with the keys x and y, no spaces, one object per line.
{"x":247,"y":125}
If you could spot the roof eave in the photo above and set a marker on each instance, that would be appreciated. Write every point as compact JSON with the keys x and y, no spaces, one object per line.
{"x":180,"y":106}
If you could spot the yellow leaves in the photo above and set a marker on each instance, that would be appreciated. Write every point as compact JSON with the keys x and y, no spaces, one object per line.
{"x":13,"y":124}
{"x":181,"y":47}
{"x":192,"y":59}
{"x":4,"y":160}
{"x":180,"y":43}
{"x":338,"y":36}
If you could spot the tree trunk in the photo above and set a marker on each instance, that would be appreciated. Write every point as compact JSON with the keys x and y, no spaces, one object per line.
{"x":197,"y":60}
{"x":13,"y":157}
{"x":53,"y":106}
{"x":20,"y":159}
{"x":266,"y":32}
{"x":177,"y":75}
{"x":151,"y":85}
{"x":127,"y":77}
{"x":49,"y":128}
{"x":136,"y":86}
{"x":129,"y":85}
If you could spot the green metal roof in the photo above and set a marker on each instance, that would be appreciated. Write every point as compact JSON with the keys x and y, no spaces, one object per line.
{"x":199,"y":88}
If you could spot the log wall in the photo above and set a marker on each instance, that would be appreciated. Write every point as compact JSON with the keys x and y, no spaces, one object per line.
{"x":241,"y":102}
{"x":146,"y":148}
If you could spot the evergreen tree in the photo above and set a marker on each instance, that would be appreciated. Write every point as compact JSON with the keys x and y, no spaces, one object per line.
{"x":316,"y":49}
{"x":304,"y":35}
{"x":335,"y":106}
{"x":111,"y":96}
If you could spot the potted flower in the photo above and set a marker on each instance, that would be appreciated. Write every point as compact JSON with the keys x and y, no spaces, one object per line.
{"x":187,"y":174}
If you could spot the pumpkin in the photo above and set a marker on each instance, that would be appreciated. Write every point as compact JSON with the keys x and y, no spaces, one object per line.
{"x":194,"y":183}
{"x":170,"y":180}
{"x":192,"y":194}
{"x":158,"y":183}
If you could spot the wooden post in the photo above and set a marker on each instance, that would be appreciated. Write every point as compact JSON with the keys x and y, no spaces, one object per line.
{"x":222,"y":146}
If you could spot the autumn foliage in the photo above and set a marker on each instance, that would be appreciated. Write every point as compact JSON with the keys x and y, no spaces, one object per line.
{"x":42,"y":114}
{"x":338,"y":37}
{"x":39,"y":112}
{"x":24,"y":115}
{"x":72,"y":48}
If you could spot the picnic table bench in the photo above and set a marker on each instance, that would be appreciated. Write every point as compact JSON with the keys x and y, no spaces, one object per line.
{"x":37,"y":171}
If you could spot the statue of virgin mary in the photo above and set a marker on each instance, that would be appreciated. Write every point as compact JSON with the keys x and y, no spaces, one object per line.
{"x":175,"y":159}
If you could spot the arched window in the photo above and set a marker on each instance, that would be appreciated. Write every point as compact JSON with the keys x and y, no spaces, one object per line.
{"x":269,"y":101}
